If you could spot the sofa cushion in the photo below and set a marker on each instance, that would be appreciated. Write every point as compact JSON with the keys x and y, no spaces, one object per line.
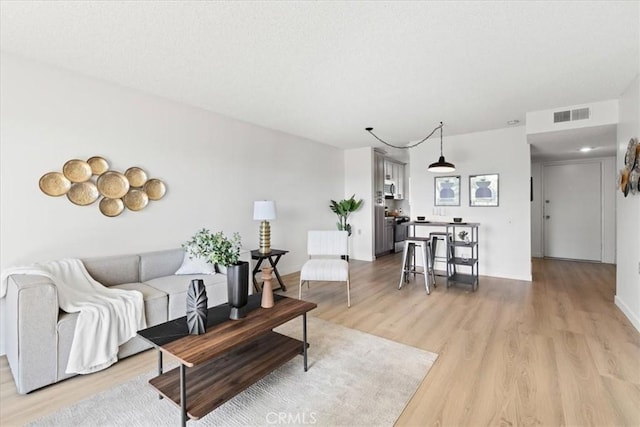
{"x":66,"y":327}
{"x":155,"y":309}
{"x":155,"y":302}
{"x":325,"y":269}
{"x":176,"y":287}
{"x":133,"y":346}
{"x":160,"y":263}
{"x":195,"y":265}
{"x":114,"y":270}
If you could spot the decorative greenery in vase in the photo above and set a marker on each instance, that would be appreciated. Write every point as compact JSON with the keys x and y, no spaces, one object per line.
{"x":464,"y":235}
{"x":343,"y":209}
{"x":215,"y":248}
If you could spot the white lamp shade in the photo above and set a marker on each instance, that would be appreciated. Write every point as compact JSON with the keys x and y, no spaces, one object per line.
{"x":264,"y":210}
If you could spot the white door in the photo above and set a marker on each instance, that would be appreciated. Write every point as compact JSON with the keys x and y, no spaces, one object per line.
{"x":572,"y":209}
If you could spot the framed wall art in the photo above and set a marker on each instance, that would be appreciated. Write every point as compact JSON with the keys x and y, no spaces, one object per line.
{"x":447,"y":190}
{"x":483,"y":190}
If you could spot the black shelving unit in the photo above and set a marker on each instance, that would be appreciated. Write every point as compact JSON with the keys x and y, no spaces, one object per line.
{"x":462,"y":256}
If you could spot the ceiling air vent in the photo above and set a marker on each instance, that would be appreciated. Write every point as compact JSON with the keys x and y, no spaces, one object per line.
{"x":561,"y":116}
{"x":580,"y":114}
{"x":571,"y":115}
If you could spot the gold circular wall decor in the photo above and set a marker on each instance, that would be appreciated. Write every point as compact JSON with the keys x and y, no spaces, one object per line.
{"x":77,"y":170}
{"x":136,"y":176}
{"x":155,"y":189}
{"x":83,"y":193}
{"x":98,"y":165}
{"x":54,"y":184}
{"x":113,"y":185}
{"x":630,"y":155}
{"x":111,"y":207}
{"x":136,"y":200}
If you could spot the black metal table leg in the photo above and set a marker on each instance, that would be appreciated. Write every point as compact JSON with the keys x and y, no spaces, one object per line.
{"x":304,"y":339}
{"x":255,"y":271}
{"x":275,"y":270}
{"x":159,"y":368}
{"x":183,"y":394}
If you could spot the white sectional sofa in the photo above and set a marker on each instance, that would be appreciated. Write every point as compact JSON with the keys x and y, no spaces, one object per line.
{"x":39,"y":334}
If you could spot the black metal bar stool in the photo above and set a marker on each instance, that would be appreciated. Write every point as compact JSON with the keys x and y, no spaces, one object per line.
{"x":409,"y":264}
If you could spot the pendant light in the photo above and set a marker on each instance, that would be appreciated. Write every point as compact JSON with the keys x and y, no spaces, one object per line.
{"x":440,"y":166}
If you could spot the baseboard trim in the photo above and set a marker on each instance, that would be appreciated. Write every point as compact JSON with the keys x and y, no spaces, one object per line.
{"x":633,"y":318}
{"x":521,"y":278}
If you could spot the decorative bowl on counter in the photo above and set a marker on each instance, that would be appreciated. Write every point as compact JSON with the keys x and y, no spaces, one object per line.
{"x":457,"y":219}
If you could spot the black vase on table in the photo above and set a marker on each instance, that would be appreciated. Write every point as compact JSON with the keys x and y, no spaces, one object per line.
{"x":238,"y":289}
{"x":197,"y":307}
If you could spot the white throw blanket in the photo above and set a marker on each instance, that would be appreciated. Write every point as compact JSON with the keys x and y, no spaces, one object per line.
{"x":108,"y":317}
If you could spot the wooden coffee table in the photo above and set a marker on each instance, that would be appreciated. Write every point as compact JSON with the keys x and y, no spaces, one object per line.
{"x":229,"y":357}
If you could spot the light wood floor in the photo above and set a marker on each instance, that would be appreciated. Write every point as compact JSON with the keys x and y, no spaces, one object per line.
{"x":553,"y":352}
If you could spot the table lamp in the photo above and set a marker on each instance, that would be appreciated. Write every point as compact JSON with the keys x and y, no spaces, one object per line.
{"x":264,"y":210}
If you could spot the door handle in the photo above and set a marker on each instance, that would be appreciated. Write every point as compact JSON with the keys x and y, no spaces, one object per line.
{"x":547,"y":217}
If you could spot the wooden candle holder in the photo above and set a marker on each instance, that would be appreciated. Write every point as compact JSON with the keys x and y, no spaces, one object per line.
{"x":267,"y":288}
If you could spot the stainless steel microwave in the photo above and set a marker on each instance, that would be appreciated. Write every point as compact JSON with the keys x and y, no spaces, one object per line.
{"x":389,"y":189}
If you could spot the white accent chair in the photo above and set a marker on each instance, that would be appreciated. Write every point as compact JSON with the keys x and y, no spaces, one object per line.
{"x":328,"y":246}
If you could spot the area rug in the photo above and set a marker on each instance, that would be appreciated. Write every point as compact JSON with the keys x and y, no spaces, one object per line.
{"x":353,"y":379}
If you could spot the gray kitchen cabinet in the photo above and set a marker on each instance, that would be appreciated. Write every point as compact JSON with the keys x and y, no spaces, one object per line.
{"x":399,"y":180}
{"x":394,"y":173}
{"x":385,"y":170}
{"x":378,"y":199}
{"x":389,"y":228}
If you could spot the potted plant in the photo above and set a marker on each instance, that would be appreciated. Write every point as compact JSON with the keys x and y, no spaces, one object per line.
{"x":464,"y":236}
{"x":343,"y":209}
{"x":218,"y":249}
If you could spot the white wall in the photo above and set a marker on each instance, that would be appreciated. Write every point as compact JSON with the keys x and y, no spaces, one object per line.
{"x":536,"y":211}
{"x":214,"y":168}
{"x":505,"y":231}
{"x":628,"y":213}
{"x":609,"y":210}
{"x":608,"y":254}
{"x":358,"y":180}
{"x":601,"y":113}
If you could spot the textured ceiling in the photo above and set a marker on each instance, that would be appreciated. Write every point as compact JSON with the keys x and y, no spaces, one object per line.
{"x":327,"y":70}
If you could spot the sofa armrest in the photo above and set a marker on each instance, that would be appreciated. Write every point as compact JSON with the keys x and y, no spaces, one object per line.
{"x":31,"y":331}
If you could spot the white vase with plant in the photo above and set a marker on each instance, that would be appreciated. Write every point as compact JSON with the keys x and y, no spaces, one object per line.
{"x":220,"y":250}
